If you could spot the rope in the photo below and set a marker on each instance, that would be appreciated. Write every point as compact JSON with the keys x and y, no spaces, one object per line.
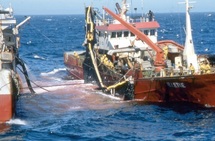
{"x":13,"y":77}
{"x":41,"y":33}
{"x":51,"y":86}
{"x":5,"y":85}
{"x":16,"y":81}
{"x":32,"y":81}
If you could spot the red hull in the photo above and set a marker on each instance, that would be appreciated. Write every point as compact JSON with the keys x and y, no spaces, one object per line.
{"x":6,"y":108}
{"x":191,"y":88}
{"x":8,"y":96}
{"x":197,"y":89}
{"x":74,"y":65}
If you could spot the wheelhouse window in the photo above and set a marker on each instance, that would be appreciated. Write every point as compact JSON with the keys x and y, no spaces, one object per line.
{"x":113,"y":35}
{"x":132,"y":34}
{"x":126,"y":33}
{"x":146,"y":32}
{"x":100,"y":34}
{"x":152,"y":32}
{"x":119,"y":34}
{"x":105,"y":34}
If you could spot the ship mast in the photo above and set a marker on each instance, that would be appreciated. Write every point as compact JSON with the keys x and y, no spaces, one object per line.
{"x":189,"y":55}
{"x":124,"y":10}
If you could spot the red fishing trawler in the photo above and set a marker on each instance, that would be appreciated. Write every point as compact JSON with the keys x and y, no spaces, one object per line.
{"x":125,"y":59}
{"x":10,"y":83}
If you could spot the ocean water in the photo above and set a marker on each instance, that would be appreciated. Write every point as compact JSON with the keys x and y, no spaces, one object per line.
{"x":66,"y":110}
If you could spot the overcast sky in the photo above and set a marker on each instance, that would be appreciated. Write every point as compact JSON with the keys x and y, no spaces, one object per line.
{"x":53,"y":7}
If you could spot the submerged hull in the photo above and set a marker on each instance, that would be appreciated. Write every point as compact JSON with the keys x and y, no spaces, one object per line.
{"x":196,"y":89}
{"x":74,"y":65}
{"x":142,"y":68}
{"x":8,"y":96}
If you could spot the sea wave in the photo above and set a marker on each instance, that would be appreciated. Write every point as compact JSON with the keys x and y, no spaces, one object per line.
{"x":49,"y":20}
{"x":16,"y":122}
{"x":39,"y":57}
{"x":52,"y":72}
{"x":76,"y":111}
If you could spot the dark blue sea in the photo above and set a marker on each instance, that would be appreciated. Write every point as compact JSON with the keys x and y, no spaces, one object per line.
{"x":67,"y":110}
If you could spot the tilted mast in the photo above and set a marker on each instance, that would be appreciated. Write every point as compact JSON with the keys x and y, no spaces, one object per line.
{"x":189,"y":55}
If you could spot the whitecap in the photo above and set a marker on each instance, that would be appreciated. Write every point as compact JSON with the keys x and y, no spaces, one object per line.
{"x":52,"y":72}
{"x":29,"y":42}
{"x":109,"y":96}
{"x":39,"y":57}
{"x":75,"y":108}
{"x":17,"y":122}
{"x":209,"y":106}
{"x":48,"y":20}
{"x":209,"y":15}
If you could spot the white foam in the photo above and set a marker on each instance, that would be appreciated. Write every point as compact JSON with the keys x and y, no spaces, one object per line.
{"x":48,"y":20}
{"x":29,"y":42}
{"x":48,"y":89}
{"x":17,"y":122}
{"x":77,"y":82}
{"x":209,"y":106}
{"x":75,"y":108}
{"x":39,"y":57}
{"x":53,"y":72}
{"x":109,"y":96}
{"x":209,"y":15}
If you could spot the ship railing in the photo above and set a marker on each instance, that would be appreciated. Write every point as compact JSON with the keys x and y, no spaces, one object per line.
{"x":139,"y":19}
{"x":129,"y":20}
{"x":212,"y":69}
{"x":149,"y":72}
{"x":170,"y":72}
{"x":166,"y":72}
{"x":176,"y":72}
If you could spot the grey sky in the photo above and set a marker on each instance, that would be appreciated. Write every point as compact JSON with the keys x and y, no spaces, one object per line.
{"x":38,"y":7}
